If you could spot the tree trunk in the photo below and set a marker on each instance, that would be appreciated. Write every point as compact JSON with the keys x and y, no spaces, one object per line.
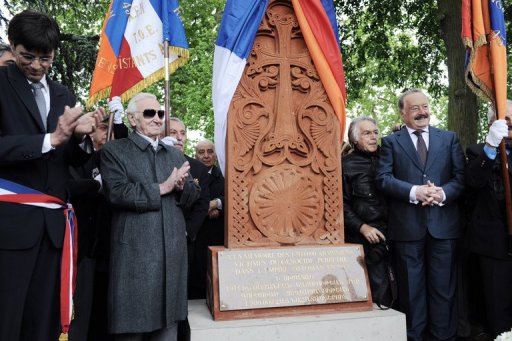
{"x":463,"y":103}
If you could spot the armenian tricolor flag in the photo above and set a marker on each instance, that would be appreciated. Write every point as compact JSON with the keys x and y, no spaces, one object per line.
{"x":131,"y":54}
{"x":484,"y":36}
{"x":238,"y":29}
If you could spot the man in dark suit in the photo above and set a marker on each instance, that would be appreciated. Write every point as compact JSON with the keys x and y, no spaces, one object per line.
{"x":195,"y":216}
{"x":40,"y":136}
{"x":212,"y":231}
{"x":94,"y":219}
{"x":488,"y":235}
{"x":421,"y":170}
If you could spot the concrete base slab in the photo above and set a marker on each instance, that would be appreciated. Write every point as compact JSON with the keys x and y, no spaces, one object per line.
{"x":375,"y":325}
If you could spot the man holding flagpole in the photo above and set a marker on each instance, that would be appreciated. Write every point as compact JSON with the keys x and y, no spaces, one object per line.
{"x":41,"y":135}
{"x":488,"y":235}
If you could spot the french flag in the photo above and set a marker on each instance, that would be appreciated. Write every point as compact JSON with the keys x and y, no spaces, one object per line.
{"x":237,"y":32}
{"x":131,"y":54}
{"x":16,"y":193}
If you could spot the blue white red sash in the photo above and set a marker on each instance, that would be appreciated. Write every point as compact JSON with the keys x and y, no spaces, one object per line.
{"x":16,"y":193}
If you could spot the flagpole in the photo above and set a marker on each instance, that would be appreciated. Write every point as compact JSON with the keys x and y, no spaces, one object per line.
{"x":508,"y":196}
{"x":166,"y":89}
{"x":498,"y":56}
{"x":110,"y":126}
{"x":500,"y":114}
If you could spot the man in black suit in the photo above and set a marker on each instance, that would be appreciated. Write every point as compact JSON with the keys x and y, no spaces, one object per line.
{"x":421,"y":169}
{"x":39,"y":138}
{"x":93,"y":213}
{"x":488,"y":236}
{"x":199,"y":173}
{"x":212,"y":231}
{"x":196,"y":215}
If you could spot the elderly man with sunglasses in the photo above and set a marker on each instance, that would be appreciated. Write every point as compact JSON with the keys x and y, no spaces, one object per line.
{"x":148,"y":184}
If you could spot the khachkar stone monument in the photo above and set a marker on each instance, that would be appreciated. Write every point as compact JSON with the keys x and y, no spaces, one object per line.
{"x":284,"y":249}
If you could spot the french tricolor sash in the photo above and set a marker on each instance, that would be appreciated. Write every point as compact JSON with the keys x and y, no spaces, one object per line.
{"x":16,"y":193}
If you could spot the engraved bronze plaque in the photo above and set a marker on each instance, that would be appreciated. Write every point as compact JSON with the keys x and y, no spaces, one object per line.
{"x":292,"y":276}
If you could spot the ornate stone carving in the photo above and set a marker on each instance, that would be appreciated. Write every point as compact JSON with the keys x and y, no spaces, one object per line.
{"x":283,"y":151}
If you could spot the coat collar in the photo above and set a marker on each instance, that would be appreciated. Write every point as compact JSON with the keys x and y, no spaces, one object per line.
{"x":144,"y":144}
{"x":139,"y":141}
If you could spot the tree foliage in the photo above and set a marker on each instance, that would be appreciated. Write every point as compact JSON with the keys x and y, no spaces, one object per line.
{"x":391,"y":45}
{"x":386,"y":45}
{"x":191,"y":85}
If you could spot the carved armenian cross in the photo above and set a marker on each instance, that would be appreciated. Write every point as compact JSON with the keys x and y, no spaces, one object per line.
{"x":283,"y":169}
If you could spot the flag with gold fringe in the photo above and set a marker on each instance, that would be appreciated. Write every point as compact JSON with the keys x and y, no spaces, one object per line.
{"x":484,"y":36}
{"x":131,"y":54}
{"x":237,"y":32}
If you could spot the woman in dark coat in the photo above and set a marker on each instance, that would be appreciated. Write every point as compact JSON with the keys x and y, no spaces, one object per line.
{"x":364,"y":208}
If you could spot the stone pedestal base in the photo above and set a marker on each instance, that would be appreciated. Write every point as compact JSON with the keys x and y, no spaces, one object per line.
{"x":374,"y":325}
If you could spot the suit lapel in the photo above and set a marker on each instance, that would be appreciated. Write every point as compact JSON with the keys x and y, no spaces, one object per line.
{"x":57,"y":100}
{"x":405,"y":141}
{"x":22,"y":87}
{"x":434,"y":145}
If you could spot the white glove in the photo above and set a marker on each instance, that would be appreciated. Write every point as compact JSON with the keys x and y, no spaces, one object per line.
{"x":98,"y":178}
{"x":115,"y":106}
{"x":169,"y":140}
{"x":497,"y":132}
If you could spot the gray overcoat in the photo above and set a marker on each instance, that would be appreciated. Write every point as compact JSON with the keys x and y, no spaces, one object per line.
{"x":148,"y":261}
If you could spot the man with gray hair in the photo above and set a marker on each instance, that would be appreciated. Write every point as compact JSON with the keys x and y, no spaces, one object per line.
{"x":147,"y":183}
{"x":487,"y":225}
{"x":6,"y":56}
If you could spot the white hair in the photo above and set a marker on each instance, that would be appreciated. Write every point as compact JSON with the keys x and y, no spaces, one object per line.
{"x":132,"y":104}
{"x":354,"y":131}
{"x":491,"y":116}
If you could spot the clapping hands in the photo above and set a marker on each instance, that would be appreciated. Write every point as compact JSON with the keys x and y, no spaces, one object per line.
{"x":176,"y":180}
{"x":73,"y":122}
{"x":180,"y":176}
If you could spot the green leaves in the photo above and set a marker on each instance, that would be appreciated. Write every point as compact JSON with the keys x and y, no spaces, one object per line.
{"x":386,"y":45}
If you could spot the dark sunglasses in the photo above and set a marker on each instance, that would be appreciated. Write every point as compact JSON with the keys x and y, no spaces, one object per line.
{"x":150,"y":113}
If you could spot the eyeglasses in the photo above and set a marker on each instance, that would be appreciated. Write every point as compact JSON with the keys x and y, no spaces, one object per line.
{"x":150,"y":113}
{"x":28,"y":58}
